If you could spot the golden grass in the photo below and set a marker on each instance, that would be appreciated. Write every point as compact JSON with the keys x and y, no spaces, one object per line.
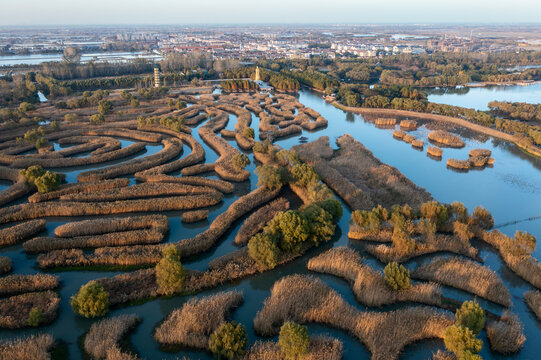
{"x":197,"y":169}
{"x":480,"y":152}
{"x":65,"y":208}
{"x":17,"y":233}
{"x":192,"y":324}
{"x":408,"y":138}
{"x":18,"y":284}
{"x":14,"y":310}
{"x":399,"y":134}
{"x":220,"y":185}
{"x":321,"y":348}
{"x":15,"y":191}
{"x":466,"y":275}
{"x":445,"y":138}
{"x":385,"y":122}
{"x":418,"y":143}
{"x":384,"y":235}
{"x":103,"y":336}
{"x":506,"y":334}
{"x":533,"y":300}
{"x":256,"y":221}
{"x":434,"y":151}
{"x":305,"y":299}
{"x":194,"y":216}
{"x":5,"y":264}
{"x":409,"y":124}
{"x":33,"y":347}
{"x":76,"y":188}
{"x":367,"y":284}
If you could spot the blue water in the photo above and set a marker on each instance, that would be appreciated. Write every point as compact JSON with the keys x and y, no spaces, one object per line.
{"x":510,"y":189}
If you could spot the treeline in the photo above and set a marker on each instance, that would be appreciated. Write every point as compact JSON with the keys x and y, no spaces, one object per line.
{"x":69,"y":71}
{"x":516,"y":110}
{"x":16,"y":89}
{"x":419,"y":78}
{"x":280,"y":81}
{"x":314,"y":79}
{"x":239,"y":85}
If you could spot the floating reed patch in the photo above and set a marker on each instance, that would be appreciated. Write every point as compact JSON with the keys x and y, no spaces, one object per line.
{"x":103,"y":337}
{"x":194,"y":216}
{"x":409,"y":125}
{"x":533,"y":300}
{"x":480,"y":152}
{"x":399,"y":134}
{"x":446,"y":139}
{"x":305,"y":299}
{"x":434,"y":151}
{"x":385,"y":122}
{"x":17,"y":233}
{"x":408,"y":138}
{"x":506,"y":334}
{"x":14,"y":310}
{"x":18,"y":284}
{"x":257,"y":221}
{"x":34,"y":347}
{"x":5,"y":264}
{"x":321,"y":348}
{"x":192,"y":324}
{"x":458,"y":164}
{"x":77,"y":188}
{"x":32,"y":211}
{"x":466,"y":275}
{"x":367,"y":284}
{"x":418,"y":143}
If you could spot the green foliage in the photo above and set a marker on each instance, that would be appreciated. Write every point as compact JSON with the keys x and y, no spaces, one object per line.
{"x":471,"y":316}
{"x":291,"y":228}
{"x":105,"y":107}
{"x":240,"y":161}
{"x":97,"y":119}
{"x":170,"y":273}
{"x":41,"y":143}
{"x":262,"y":146}
{"x":229,"y":341}
{"x":91,"y":300}
{"x":428,"y":228}
{"x":47,"y":182}
{"x":270,"y":177}
{"x":482,"y":218}
{"x":320,"y":222}
{"x":248,"y":133}
{"x":24,"y":107}
{"x":174,"y":123}
{"x":405,"y":211}
{"x":31,"y":173}
{"x":71,"y":117}
{"x":396,"y":276}
{"x":317,"y":191}
{"x":333,"y":207}
{"x":303,"y":174}
{"x":35,"y":317}
{"x":403,"y":242}
{"x":34,"y":134}
{"x":434,"y":212}
{"x":287,"y":157}
{"x":461,"y":341}
{"x":367,"y":221}
{"x":263,"y":250}
{"x":239,"y":85}
{"x":294,"y":341}
{"x":134,"y":102}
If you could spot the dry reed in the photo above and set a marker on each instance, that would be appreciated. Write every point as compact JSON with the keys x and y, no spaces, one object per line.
{"x":5,"y":264}
{"x":194,"y":216}
{"x":33,"y":347}
{"x":17,"y":284}
{"x":17,"y":233}
{"x":408,"y":138}
{"x":446,"y":139}
{"x":533,"y":300}
{"x":14,"y":310}
{"x":197,"y":169}
{"x":399,"y":134}
{"x":434,"y":151}
{"x":220,"y":185}
{"x":103,"y":336}
{"x":77,"y":188}
{"x":506,"y":334}
{"x":458,"y":164}
{"x":480,"y":152}
{"x":255,"y":222}
{"x":321,"y":348}
{"x":409,"y":124}
{"x":385,"y":122}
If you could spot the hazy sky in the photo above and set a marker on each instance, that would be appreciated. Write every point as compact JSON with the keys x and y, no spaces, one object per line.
{"x":51,"y":12}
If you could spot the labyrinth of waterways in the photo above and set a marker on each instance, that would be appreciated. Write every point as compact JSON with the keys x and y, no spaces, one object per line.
{"x":511,"y":190}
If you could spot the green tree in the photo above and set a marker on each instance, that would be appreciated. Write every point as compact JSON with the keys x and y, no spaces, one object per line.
{"x":170,"y":273}
{"x":263,"y":250}
{"x":471,"y":316}
{"x":35,"y":317}
{"x":320,"y":222}
{"x":240,"y":161}
{"x":461,"y":341}
{"x":292,"y":229}
{"x":31,"y":173}
{"x":434,"y":212}
{"x":269,"y":177}
{"x":91,"y":300}
{"x":303,"y":174}
{"x":396,"y":276}
{"x":97,"y":119}
{"x":248,"y":133}
{"x":367,"y":221}
{"x":47,"y":182}
{"x":229,"y":341}
{"x":105,"y":107}
{"x":294,"y":341}
{"x":333,"y":207}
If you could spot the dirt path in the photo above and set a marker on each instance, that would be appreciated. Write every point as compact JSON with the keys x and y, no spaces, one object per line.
{"x":534,"y":150}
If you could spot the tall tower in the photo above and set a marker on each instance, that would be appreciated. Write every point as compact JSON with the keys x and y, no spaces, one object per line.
{"x":257,"y":76}
{"x":156,"y":77}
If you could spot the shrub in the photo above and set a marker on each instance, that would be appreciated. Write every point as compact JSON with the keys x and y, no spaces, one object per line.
{"x":31,"y":173}
{"x":170,"y":273}
{"x":292,"y":229}
{"x":134,"y":102}
{"x":47,"y":182}
{"x":304,"y":174}
{"x":263,"y":250}
{"x":71,"y":117}
{"x":427,"y":228}
{"x":402,"y":241}
{"x":462,"y":342}
{"x":381,"y":212}
{"x":317,"y":191}
{"x":105,"y":107}
{"x":26,"y":106}
{"x":320,"y":222}
{"x":269,"y":177}
{"x":396,"y":276}
{"x":248,"y":133}
{"x":91,"y":300}
{"x":405,"y":211}
{"x":471,"y":316}
{"x":525,"y":243}
{"x":294,"y":341}
{"x":41,"y":142}
{"x":240,"y":161}
{"x":35,"y":317}
{"x":435,"y":212}
{"x":180,"y":104}
{"x":367,"y":221}
{"x":401,"y":223}
{"x":333,"y":207}
{"x":228,"y":341}
{"x":97,"y":119}
{"x":262,"y":146}
{"x":459,"y":211}
{"x":60,"y":105}
{"x":482,"y":218}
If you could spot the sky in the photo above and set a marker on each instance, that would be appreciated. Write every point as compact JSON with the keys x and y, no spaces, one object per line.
{"x":69,"y":12}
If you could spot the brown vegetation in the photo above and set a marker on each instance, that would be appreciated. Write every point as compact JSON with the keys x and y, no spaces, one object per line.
{"x":385,"y":122}
{"x":77,"y":188}
{"x":445,"y":138}
{"x":533,"y":300}
{"x":34,"y":347}
{"x":506,"y":334}
{"x":321,"y":348}
{"x":255,"y":222}
{"x":434,"y":151}
{"x":17,"y":233}
{"x":197,"y":169}
{"x":14,"y":310}
{"x":194,"y":216}
{"x":5,"y":264}
{"x":409,"y":125}
{"x":102,"y":339}
{"x":18,"y":284}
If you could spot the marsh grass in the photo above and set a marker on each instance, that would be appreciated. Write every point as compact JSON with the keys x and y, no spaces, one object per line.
{"x":34,"y":347}
{"x":77,"y":188}
{"x":18,"y":284}
{"x":17,"y":233}
{"x":194,"y":216}
{"x":5,"y":264}
{"x":506,"y":334}
{"x":257,"y":220}
{"x":446,"y":139}
{"x":14,"y":310}
{"x":321,"y":348}
{"x":102,"y":340}
{"x":533,"y":300}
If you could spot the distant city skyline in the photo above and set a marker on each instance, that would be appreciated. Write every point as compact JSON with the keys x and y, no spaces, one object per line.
{"x":110,"y":12}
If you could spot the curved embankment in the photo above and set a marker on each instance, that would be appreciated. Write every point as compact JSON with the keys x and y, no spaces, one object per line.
{"x":14,"y":310}
{"x":197,"y":169}
{"x":192,"y":324}
{"x":79,"y":188}
{"x":17,"y":233}
{"x":102,"y":340}
{"x":466,"y":275}
{"x":220,"y":185}
{"x":150,"y":254}
{"x":15,"y":191}
{"x":448,"y":119}
{"x":367,"y":284}
{"x":257,"y":221}
{"x":46,"y":209}
{"x":304,"y":299}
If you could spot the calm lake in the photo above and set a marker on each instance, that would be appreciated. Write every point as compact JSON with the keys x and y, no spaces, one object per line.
{"x":511,"y":190}
{"x":36,"y":59}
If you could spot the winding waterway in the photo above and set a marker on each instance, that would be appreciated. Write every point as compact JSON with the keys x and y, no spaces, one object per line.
{"x":511,"y":190}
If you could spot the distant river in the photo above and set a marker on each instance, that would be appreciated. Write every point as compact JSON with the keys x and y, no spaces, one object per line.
{"x":479,"y":97}
{"x":36,"y":59}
